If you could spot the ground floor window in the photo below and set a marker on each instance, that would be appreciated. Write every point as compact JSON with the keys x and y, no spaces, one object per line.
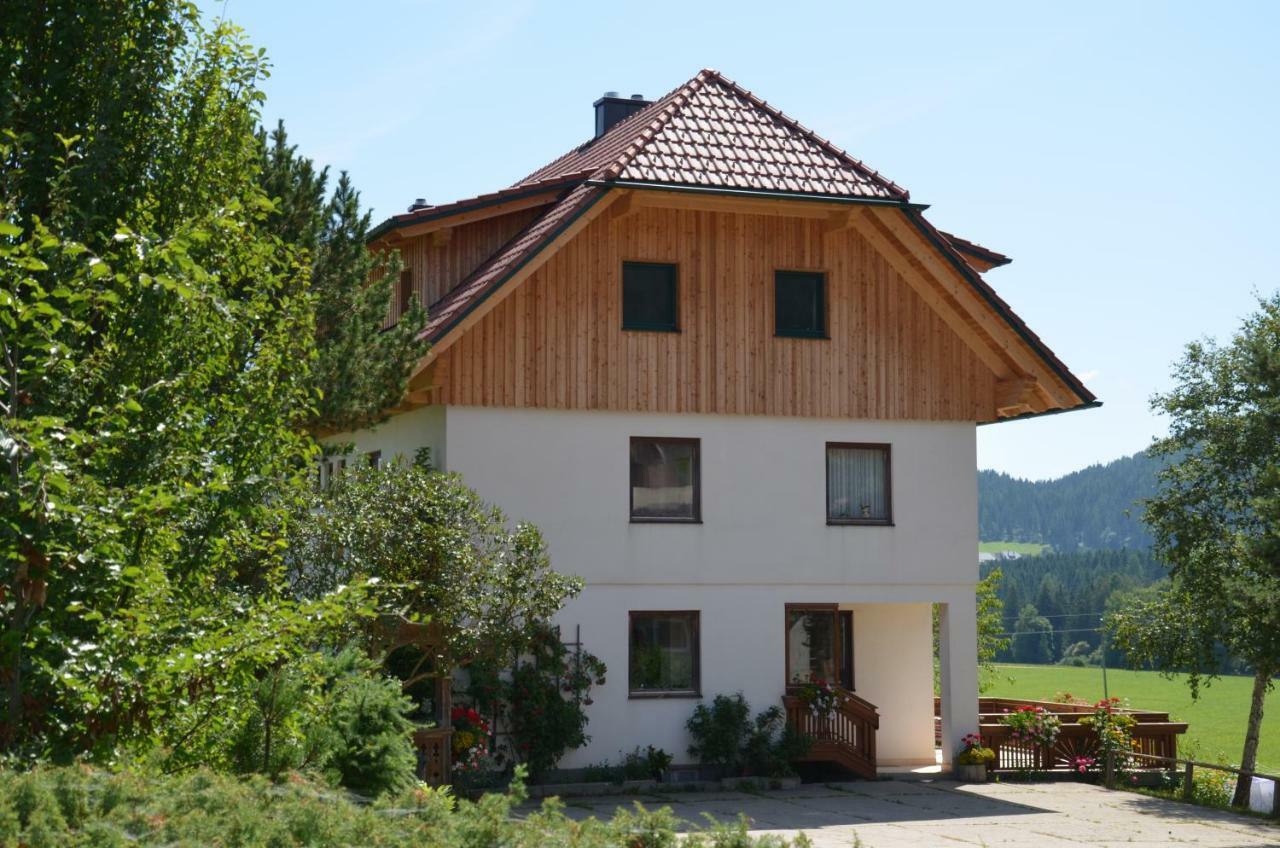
{"x":664,"y":653}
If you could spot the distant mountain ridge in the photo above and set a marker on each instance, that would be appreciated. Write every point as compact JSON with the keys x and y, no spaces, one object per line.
{"x":1096,"y":508}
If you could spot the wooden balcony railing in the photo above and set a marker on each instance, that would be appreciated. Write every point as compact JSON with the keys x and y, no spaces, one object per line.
{"x":846,"y":737}
{"x":1154,"y":735}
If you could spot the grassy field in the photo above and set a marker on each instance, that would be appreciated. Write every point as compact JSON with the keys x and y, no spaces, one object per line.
{"x":1217,"y":720}
{"x":1024,"y":548}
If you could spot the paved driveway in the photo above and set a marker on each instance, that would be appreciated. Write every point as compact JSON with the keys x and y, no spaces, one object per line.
{"x":889,"y":814}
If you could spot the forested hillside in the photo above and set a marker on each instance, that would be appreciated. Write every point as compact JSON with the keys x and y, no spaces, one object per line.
{"x":1094,"y":508}
{"x":1053,"y":602}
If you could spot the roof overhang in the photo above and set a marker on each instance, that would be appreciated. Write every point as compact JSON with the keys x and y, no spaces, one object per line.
{"x":1031,"y":380}
{"x":477,"y":208}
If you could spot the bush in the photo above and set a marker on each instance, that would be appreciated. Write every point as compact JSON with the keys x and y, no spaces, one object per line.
{"x":725,"y":736}
{"x":539,"y":702}
{"x":70,"y":807}
{"x":336,"y":714}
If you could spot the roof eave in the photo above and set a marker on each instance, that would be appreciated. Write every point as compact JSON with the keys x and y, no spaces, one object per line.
{"x":759,"y":193}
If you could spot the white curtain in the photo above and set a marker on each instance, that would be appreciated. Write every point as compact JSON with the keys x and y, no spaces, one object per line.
{"x":857,"y":487}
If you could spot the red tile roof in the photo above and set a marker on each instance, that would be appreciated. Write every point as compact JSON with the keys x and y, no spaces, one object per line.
{"x":711,"y":132}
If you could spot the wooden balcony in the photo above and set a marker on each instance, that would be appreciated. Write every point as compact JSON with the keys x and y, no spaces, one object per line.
{"x":847,"y":737}
{"x":1154,"y":734}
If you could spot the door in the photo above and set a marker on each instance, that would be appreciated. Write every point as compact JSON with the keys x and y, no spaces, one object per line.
{"x":819,"y":644}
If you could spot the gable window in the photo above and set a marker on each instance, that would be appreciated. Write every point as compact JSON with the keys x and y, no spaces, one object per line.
{"x":405,"y":292}
{"x":858,"y":484}
{"x":799,"y":304}
{"x":649,"y":297}
{"x":665,"y":480}
{"x":664,"y":654}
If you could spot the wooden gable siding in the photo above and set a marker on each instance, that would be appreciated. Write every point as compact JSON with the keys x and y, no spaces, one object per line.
{"x":439,"y":260}
{"x":556,"y":341}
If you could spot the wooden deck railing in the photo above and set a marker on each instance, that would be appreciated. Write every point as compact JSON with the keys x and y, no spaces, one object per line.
{"x":846,"y":737}
{"x":1154,"y":735}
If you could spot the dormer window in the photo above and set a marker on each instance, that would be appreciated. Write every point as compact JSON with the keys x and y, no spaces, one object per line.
{"x":649,"y":297}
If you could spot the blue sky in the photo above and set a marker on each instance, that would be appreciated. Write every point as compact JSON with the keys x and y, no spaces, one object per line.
{"x":1125,"y":155}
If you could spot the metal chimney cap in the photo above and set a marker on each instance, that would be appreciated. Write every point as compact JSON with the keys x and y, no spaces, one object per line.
{"x":611,"y":94}
{"x":418,"y":203}
{"x":637,"y":97}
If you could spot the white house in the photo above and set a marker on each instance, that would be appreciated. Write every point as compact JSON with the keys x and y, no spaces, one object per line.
{"x":734,"y":375}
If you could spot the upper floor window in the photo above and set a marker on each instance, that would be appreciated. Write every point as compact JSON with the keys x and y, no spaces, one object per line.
{"x":404,"y":293}
{"x":799,"y":304}
{"x":649,"y":297}
{"x":858,"y":484}
{"x":663,"y":648}
{"x":665,"y":480}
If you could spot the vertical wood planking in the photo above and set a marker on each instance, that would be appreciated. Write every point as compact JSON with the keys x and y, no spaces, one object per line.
{"x":558,"y":343}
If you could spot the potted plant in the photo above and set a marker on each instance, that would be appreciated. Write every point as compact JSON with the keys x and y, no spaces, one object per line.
{"x":972,"y":759}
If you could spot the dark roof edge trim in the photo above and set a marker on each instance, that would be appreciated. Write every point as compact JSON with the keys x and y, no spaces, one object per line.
{"x":1002,"y":309}
{"x":549,"y":237}
{"x":759,"y":193}
{"x":1093,"y":404}
{"x":458,"y":207}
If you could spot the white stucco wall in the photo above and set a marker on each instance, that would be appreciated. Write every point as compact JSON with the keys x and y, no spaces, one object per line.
{"x":763,"y":543}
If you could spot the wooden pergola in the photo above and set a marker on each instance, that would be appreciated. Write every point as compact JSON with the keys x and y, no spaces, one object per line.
{"x":434,"y":742}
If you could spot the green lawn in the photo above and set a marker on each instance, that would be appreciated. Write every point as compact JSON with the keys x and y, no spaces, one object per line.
{"x":1024,"y":548}
{"x":1217,"y":720}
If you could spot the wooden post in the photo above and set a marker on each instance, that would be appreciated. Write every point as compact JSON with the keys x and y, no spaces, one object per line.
{"x":1108,"y":779}
{"x":1188,"y":782}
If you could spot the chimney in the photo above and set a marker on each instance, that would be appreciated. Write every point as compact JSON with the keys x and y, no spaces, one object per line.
{"x":612,"y":109}
{"x":419,"y":203}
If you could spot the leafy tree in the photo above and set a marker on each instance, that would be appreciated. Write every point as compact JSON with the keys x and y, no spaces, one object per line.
{"x":1032,"y":637}
{"x":991,"y":640}
{"x":1216,"y":520}
{"x":361,"y":369}
{"x":155,"y":341}
{"x":442,"y":554}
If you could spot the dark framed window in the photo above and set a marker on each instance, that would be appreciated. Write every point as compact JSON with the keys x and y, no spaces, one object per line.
{"x":859,"y":484}
{"x":819,"y":644}
{"x":375,"y":458}
{"x":664,"y":654}
{"x":405,"y":292}
{"x":665,"y":479}
{"x":649,"y":297}
{"x":800,"y":304}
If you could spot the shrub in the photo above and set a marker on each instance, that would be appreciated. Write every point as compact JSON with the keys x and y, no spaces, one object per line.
{"x":539,"y":701}
{"x":73,"y":806}
{"x":725,"y":736}
{"x":720,"y":731}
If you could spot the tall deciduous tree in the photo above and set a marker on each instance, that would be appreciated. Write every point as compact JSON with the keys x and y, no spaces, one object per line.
{"x":156,"y":340}
{"x":361,"y":367}
{"x":1216,"y":520}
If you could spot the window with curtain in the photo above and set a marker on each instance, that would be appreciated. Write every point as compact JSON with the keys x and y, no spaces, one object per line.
{"x":664,"y":480}
{"x":664,"y":653}
{"x":858,"y":484}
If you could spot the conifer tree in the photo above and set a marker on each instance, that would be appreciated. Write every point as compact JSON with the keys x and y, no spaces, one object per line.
{"x":361,"y":367}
